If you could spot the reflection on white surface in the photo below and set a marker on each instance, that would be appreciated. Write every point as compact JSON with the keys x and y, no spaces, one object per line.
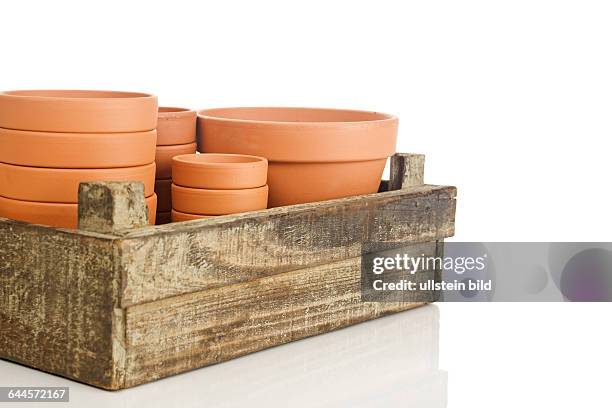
{"x":392,"y":361}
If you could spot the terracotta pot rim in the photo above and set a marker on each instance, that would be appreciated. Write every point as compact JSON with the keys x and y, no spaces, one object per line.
{"x":209,"y":114}
{"x":175,"y":146}
{"x":200,"y":160}
{"x":199,"y":216}
{"x":63,"y":94}
{"x":75,"y":169}
{"x":165,"y":111}
{"x":219,"y":192}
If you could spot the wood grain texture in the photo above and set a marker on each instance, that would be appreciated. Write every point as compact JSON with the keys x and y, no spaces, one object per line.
{"x":58,"y":290}
{"x":175,"y":259}
{"x":407,"y":170}
{"x":193,"y":330}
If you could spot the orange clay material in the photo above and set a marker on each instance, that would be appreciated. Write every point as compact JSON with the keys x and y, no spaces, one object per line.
{"x":218,"y":202}
{"x":62,"y":185}
{"x":78,"y":111}
{"x":219,"y":171}
{"x":53,"y":214}
{"x":175,"y":126}
{"x":164,"y":155}
{"x":76,"y":150}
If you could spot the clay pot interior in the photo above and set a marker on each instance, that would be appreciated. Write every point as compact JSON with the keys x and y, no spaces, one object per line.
{"x":218,"y":202}
{"x":78,"y":111}
{"x":219,"y":171}
{"x":314,"y":154}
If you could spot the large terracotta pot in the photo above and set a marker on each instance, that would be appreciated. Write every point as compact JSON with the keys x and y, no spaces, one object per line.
{"x":314,"y":154}
{"x":219,"y":171}
{"x":76,"y":150}
{"x":53,"y":214}
{"x":175,"y":126}
{"x":62,"y":185}
{"x":218,"y":202}
{"x":78,"y":111}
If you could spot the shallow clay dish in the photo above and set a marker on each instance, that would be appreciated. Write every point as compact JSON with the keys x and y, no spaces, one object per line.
{"x":218,"y":202}
{"x":78,"y":111}
{"x":175,"y":126}
{"x":53,"y":214}
{"x":178,"y":216}
{"x":314,"y":154}
{"x":164,"y":155}
{"x":164,"y":195}
{"x":62,"y":185}
{"x":76,"y":150}
{"x":219,"y":171}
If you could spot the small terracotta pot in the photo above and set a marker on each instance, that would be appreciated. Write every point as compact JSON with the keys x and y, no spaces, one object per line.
{"x":164,"y":155}
{"x":163,"y":218}
{"x":219,"y":171}
{"x":164,"y":195}
{"x":76,"y":150}
{"x":218,"y":202}
{"x":78,"y":111}
{"x":62,"y":185}
{"x":175,"y":126}
{"x":314,"y":154}
{"x":178,"y":216}
{"x":53,"y":214}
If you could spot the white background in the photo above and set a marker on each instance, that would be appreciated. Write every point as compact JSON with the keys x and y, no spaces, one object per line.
{"x":509,"y":100}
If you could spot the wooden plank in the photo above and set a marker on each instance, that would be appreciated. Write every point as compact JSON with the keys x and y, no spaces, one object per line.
{"x":407,"y":170}
{"x":56,"y":302}
{"x":170,"y":260}
{"x":193,"y":330}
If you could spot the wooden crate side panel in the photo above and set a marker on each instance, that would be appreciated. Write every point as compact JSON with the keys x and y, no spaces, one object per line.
{"x":194,"y":256}
{"x":177,"y":334}
{"x":56,"y":302}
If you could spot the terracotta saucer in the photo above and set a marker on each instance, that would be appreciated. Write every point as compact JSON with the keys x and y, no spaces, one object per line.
{"x":62,"y":185}
{"x":175,"y":126}
{"x":78,"y":111}
{"x":77,"y":150}
{"x":219,"y":171}
{"x":53,"y":214}
{"x":164,"y":155}
{"x":218,"y":202}
{"x":178,"y":216}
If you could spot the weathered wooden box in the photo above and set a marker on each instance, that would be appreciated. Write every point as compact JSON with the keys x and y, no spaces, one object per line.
{"x":119,"y":309}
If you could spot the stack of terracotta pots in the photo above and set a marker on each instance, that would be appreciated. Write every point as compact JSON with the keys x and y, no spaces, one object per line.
{"x":51,"y":141}
{"x":206,"y":185}
{"x":176,"y":135}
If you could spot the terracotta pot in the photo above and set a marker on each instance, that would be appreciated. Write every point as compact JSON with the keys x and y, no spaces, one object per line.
{"x":76,"y":150}
{"x":164,"y":155}
{"x":175,"y":126}
{"x":164,"y":194}
{"x":314,"y":154}
{"x":218,"y":202}
{"x":62,"y":185}
{"x":78,"y":111}
{"x":163,"y":217}
{"x":53,"y":214}
{"x":219,"y":171}
{"x":178,"y":216}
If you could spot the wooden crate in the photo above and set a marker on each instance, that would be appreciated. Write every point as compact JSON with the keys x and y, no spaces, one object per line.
{"x":117,"y":303}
